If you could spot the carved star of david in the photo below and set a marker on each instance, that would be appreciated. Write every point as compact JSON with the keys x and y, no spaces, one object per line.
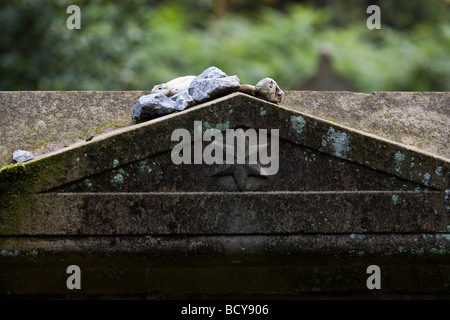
{"x":241,"y":172}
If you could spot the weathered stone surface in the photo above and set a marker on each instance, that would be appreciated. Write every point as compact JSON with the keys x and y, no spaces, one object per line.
{"x":44,"y":121}
{"x":341,"y":200}
{"x":273,"y":213}
{"x":269,"y":90}
{"x":417,"y":119}
{"x":153,"y":105}
{"x":212,"y":83}
{"x":174,"y":86}
{"x":296,"y":164}
{"x":20,"y":156}
{"x":328,"y":138}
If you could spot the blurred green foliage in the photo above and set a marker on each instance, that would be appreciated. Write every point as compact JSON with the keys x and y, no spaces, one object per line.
{"x":134,"y":45}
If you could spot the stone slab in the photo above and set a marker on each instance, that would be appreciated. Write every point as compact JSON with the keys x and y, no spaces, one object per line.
{"x":231,"y":213}
{"x":45,"y":121}
{"x":136,"y":224}
{"x":217,"y":266}
{"x":124,"y":146}
{"x":419,"y":119}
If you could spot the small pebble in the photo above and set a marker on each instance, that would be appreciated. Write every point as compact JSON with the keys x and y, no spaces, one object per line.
{"x":21,"y":156}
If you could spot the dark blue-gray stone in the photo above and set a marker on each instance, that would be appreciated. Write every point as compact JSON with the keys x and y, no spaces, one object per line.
{"x":152,"y":106}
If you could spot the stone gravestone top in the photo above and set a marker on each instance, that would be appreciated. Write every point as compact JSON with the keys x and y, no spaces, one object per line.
{"x":149,"y":198}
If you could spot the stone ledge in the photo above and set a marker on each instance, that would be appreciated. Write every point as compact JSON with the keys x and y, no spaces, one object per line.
{"x":44,"y":121}
{"x":418,"y":119}
{"x":435,"y":246}
{"x":85,"y":214}
{"x":285,"y":266}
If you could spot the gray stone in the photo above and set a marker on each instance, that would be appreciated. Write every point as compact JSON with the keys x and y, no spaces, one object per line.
{"x":212,"y":83}
{"x":207,"y":89}
{"x":21,"y":156}
{"x":183,"y":100}
{"x":152,"y":106}
{"x":211,"y":73}
{"x":174,"y":86}
{"x":269,"y":90}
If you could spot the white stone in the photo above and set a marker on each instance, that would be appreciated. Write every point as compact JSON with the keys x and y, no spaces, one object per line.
{"x":174,"y":86}
{"x":21,"y":156}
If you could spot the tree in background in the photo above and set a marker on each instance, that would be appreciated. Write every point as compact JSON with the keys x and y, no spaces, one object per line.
{"x":133,"y":45}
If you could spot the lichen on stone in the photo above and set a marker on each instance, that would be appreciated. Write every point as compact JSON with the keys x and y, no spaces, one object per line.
{"x":394,"y":199}
{"x":117,"y":179}
{"x":338,"y":141}
{"x":399,"y":158}
{"x":298,"y":123}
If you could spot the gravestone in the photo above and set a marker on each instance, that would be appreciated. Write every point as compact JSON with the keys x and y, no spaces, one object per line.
{"x":137,"y":224}
{"x":325,"y":78}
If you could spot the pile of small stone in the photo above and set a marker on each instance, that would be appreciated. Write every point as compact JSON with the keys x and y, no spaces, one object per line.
{"x":184,"y":92}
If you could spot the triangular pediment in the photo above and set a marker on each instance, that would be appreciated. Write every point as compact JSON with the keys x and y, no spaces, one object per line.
{"x":319,"y":155}
{"x":300,"y":169}
{"x":324,"y":169}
